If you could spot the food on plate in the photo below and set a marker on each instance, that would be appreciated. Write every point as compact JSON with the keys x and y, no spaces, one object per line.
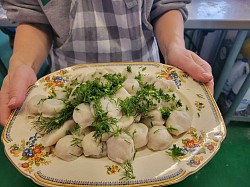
{"x":92,"y":147}
{"x":83,"y":116}
{"x":139,"y":132}
{"x":159,"y":138}
{"x":52,"y":137}
{"x":179,"y":121}
{"x":34,"y":103}
{"x":51,"y":107}
{"x":67,"y":148}
{"x":120,"y":148}
{"x":110,"y":113}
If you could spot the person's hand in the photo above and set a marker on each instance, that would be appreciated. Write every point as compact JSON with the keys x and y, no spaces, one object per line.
{"x":13,"y":90}
{"x":191,"y":63}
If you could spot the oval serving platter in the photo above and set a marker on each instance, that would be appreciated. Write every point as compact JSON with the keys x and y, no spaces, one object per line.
{"x":202,"y":141}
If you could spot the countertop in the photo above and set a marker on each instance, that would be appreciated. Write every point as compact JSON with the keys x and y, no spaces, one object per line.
{"x":203,"y":14}
{"x":218,"y":14}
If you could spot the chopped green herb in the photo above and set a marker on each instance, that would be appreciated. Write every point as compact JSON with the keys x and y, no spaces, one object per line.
{"x":76,"y":142}
{"x":129,"y":69}
{"x":171,"y":129}
{"x":175,"y":152}
{"x":165,"y":113}
{"x":200,"y":96}
{"x":128,"y":173}
{"x":156,"y":131}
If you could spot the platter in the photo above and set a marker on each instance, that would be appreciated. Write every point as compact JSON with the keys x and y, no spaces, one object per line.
{"x":24,"y":148}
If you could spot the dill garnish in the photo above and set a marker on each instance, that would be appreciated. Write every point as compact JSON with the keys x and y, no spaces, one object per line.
{"x":171,"y":129}
{"x":84,"y":93}
{"x":103,"y":123}
{"x":128,"y":171}
{"x":76,"y":142}
{"x":46,"y":125}
{"x":143,"y":101}
{"x":129,"y":69}
{"x":175,"y":152}
{"x":165,"y":112}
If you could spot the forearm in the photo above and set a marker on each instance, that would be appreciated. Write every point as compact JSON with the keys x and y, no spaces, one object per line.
{"x":31,"y":47}
{"x":169,"y":31}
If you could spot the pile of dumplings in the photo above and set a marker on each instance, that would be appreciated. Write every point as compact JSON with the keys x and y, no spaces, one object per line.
{"x":77,"y":136}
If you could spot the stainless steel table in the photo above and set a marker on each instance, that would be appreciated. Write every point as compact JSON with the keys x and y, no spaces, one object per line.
{"x":223,"y":15}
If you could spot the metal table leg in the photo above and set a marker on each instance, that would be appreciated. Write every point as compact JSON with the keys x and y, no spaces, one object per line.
{"x":241,"y":35}
{"x":243,"y":90}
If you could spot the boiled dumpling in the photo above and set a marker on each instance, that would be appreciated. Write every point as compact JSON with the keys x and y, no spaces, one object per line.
{"x":139,"y":132}
{"x":131,"y":85}
{"x":72,"y":93}
{"x":122,"y":123}
{"x":52,"y":137}
{"x":125,"y":122}
{"x":159,"y":138}
{"x":76,"y":79}
{"x":66,"y":149}
{"x":154,"y":118}
{"x":122,"y":94}
{"x":92,"y":147}
{"x":34,"y":103}
{"x":179,"y":122}
{"x":173,"y":102}
{"x":148,"y":79}
{"x":165,"y":85}
{"x":83,"y":116}
{"x":80,"y":132}
{"x":120,"y":148}
{"x":51,"y":107}
{"x":62,"y":95}
{"x":110,"y":106}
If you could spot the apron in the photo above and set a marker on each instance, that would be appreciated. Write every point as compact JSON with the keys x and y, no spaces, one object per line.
{"x":106,"y":31}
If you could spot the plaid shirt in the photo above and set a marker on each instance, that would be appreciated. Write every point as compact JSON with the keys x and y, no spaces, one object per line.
{"x":98,"y":30}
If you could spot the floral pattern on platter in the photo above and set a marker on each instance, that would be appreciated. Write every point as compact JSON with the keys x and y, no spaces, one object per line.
{"x":199,"y":147}
{"x":199,"y":105}
{"x":56,"y":80}
{"x":31,"y":154}
{"x":196,"y":147}
{"x":112,"y":169}
{"x":170,"y":73}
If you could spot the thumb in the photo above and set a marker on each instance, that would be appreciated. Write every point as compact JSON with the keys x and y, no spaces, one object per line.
{"x":20,"y":80}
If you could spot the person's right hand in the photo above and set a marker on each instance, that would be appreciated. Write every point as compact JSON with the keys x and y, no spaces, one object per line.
{"x":14,"y":88}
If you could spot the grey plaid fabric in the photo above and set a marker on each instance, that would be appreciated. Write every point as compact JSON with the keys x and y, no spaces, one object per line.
{"x":107,"y":31}
{"x":89,"y":31}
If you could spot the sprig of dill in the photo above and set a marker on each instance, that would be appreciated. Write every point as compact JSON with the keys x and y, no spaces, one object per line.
{"x":175,"y":152}
{"x":76,"y":142}
{"x":171,"y":129}
{"x":46,"y":125}
{"x":85,"y":93}
{"x":128,"y":172}
{"x":165,"y":112}
{"x":103,"y":123}
{"x":143,"y":101}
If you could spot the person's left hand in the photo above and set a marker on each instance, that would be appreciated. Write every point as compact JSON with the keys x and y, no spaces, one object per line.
{"x":191,"y":63}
